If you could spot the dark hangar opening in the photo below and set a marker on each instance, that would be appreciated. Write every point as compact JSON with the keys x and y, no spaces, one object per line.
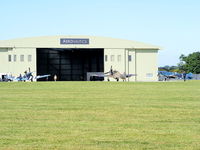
{"x":69,"y":64}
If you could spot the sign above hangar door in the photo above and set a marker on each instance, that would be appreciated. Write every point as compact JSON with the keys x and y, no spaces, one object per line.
{"x":74,"y":41}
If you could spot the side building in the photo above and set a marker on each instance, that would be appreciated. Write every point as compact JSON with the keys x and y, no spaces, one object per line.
{"x":72,"y":57}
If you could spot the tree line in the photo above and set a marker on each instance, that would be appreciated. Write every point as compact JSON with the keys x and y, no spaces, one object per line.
{"x":189,"y":63}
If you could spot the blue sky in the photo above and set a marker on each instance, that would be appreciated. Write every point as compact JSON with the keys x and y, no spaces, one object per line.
{"x":173,"y":24}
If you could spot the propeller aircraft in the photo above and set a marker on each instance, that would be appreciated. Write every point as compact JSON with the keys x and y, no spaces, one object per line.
{"x":116,"y":75}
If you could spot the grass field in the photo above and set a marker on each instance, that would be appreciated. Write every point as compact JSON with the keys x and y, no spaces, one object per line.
{"x":100,"y":115}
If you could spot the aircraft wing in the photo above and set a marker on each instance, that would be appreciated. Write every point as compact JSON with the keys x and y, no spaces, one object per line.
{"x":130,"y":75}
{"x":100,"y":75}
{"x":20,"y":79}
{"x":42,"y":76}
{"x":10,"y":78}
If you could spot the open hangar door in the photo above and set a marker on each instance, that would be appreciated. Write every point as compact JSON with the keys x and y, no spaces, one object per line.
{"x":69,"y":64}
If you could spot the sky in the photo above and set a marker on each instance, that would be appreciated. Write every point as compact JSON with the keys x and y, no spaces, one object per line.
{"x":173,"y":25}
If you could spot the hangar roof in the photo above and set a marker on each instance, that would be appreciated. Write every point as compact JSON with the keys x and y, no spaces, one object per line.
{"x":74,"y":41}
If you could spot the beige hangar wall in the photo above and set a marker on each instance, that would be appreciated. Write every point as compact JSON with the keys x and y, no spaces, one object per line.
{"x":115,"y":63}
{"x":118,"y":59}
{"x":16,"y":67}
{"x":143,"y":63}
{"x":130,"y":65}
{"x":146,"y":65}
{"x":4,"y":60}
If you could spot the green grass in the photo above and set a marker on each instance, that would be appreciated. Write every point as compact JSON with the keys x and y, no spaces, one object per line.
{"x":100,"y":115}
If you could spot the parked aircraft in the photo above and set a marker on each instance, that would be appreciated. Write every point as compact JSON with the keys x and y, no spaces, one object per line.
{"x":165,"y":75}
{"x":116,"y":75}
{"x":28,"y":76}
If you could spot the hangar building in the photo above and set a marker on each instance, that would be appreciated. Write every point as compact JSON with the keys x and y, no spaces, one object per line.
{"x":71,"y":58}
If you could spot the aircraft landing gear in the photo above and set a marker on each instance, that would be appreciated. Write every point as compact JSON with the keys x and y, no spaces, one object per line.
{"x":108,"y":79}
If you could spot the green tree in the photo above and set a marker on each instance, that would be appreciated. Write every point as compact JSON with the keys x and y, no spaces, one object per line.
{"x":190,"y":63}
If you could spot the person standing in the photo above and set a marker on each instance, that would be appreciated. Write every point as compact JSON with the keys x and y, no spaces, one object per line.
{"x":55,"y":77}
{"x":184,"y":76}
